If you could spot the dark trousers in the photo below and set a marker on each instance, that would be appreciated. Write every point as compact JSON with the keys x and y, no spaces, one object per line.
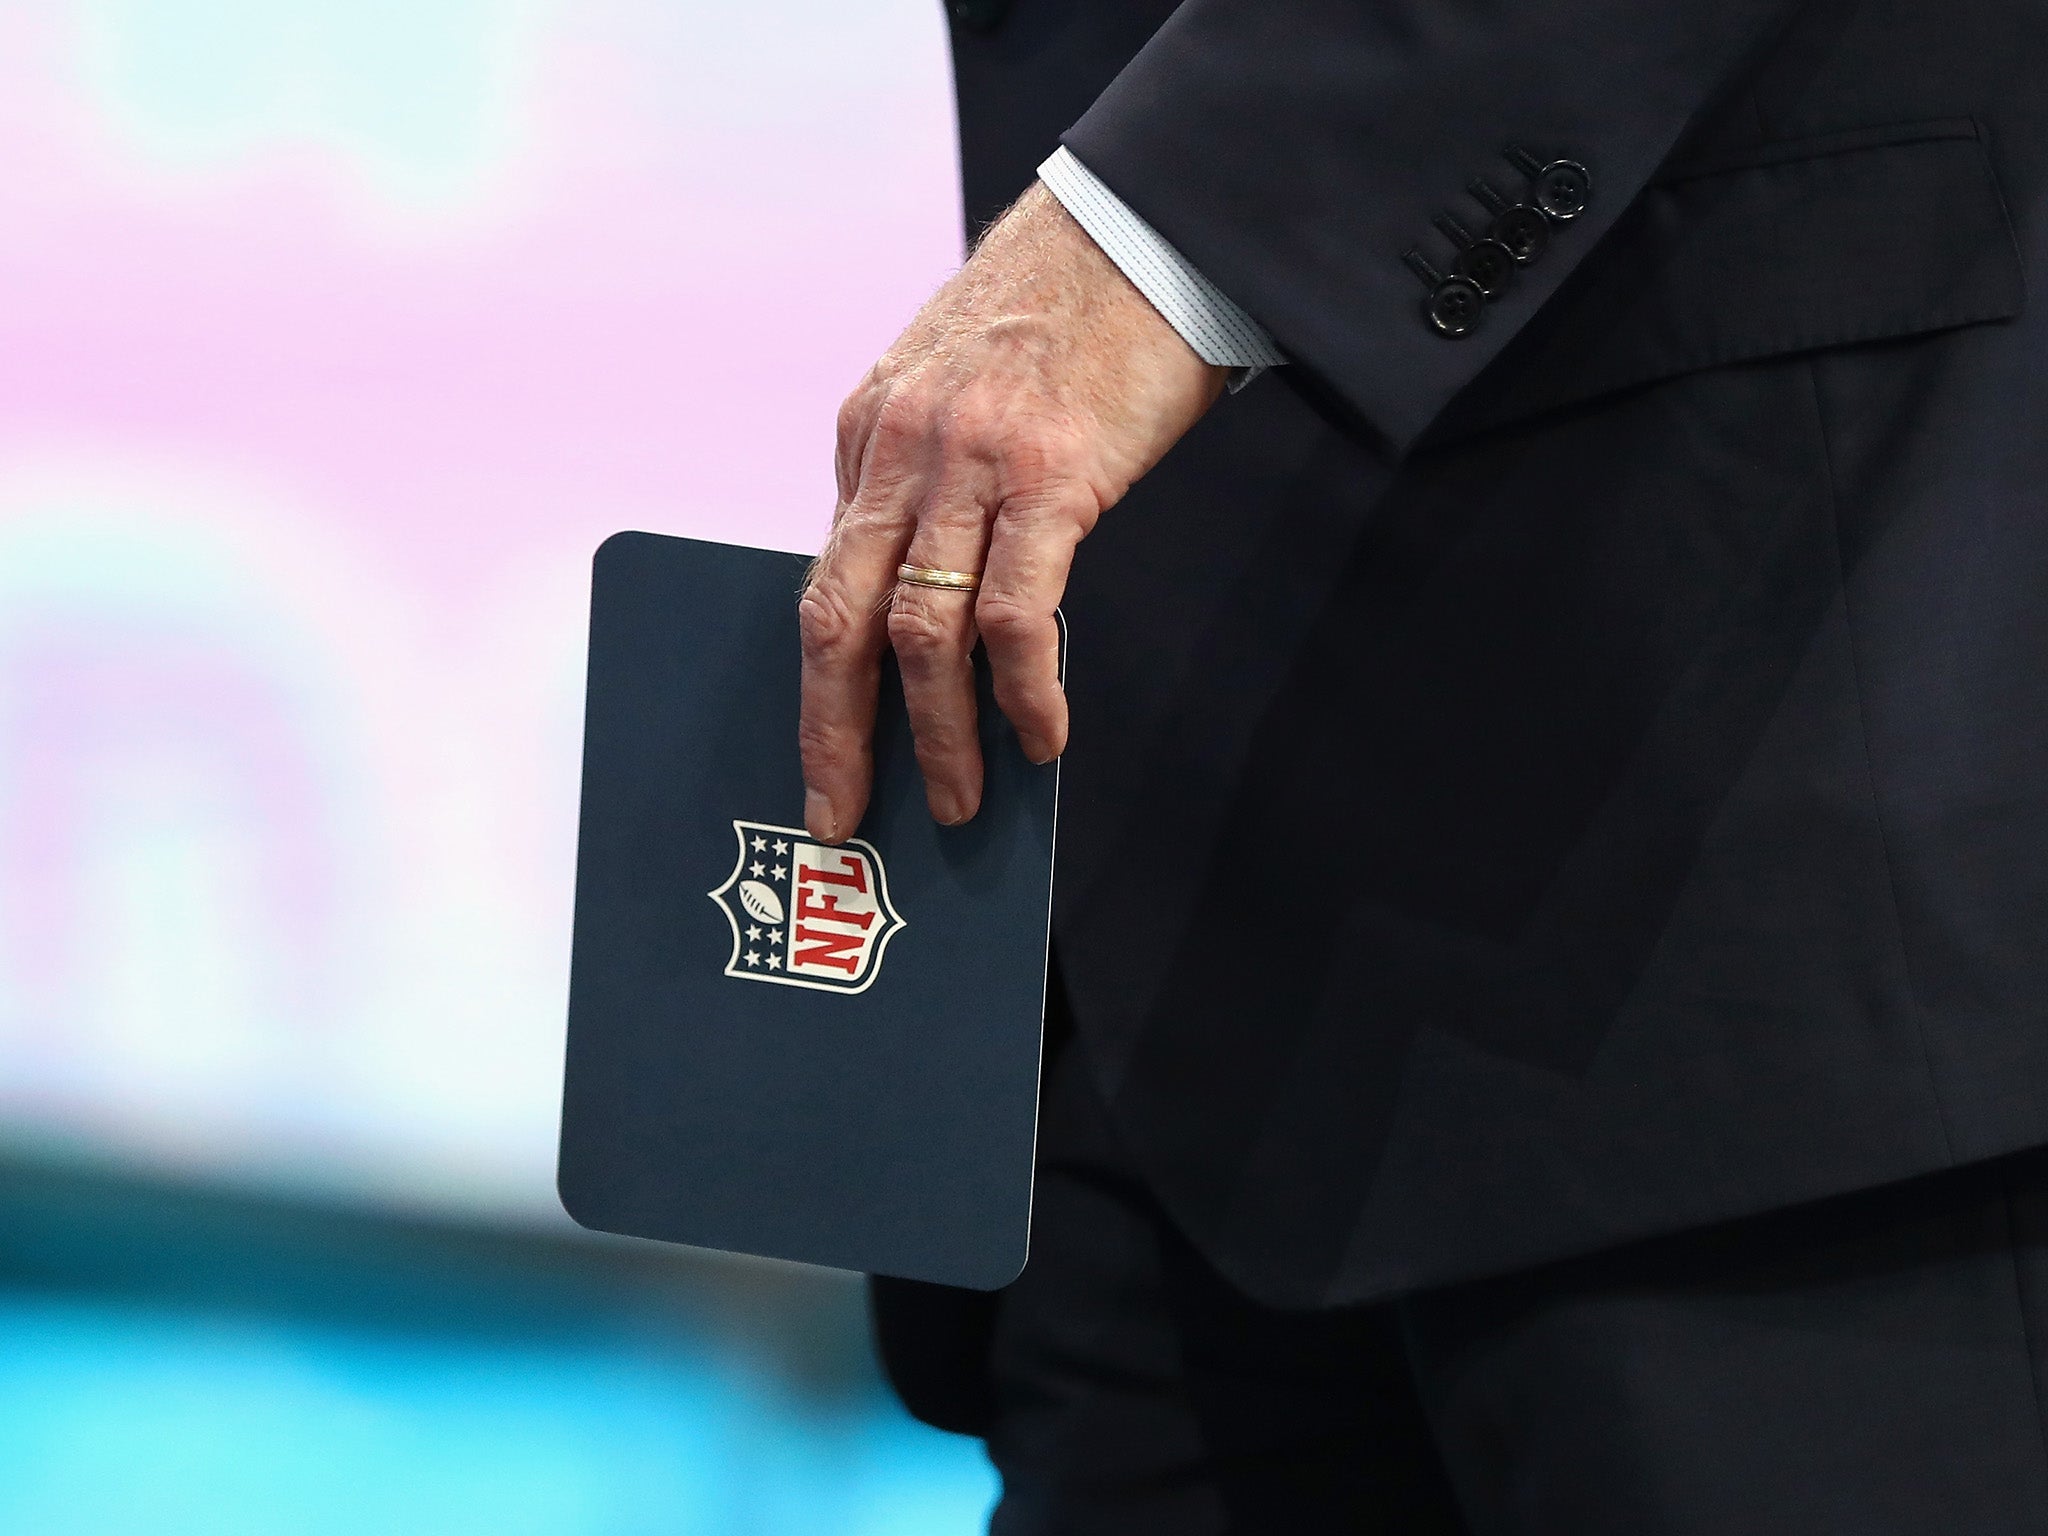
{"x":1868,"y":1366}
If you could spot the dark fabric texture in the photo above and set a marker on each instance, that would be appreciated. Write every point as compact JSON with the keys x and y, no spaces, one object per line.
{"x":933,"y":1343}
{"x":1136,"y":1392}
{"x":1867,"y":1366}
{"x":1587,"y":780}
{"x":1295,"y":149}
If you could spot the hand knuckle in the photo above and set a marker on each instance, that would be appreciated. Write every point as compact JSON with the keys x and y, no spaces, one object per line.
{"x":916,"y":631}
{"x":902,"y":423}
{"x":975,"y":424}
{"x":1004,"y":616}
{"x":1049,"y":506}
{"x":825,"y":624}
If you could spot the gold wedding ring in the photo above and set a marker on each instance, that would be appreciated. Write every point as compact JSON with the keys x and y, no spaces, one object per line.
{"x":932,"y":576}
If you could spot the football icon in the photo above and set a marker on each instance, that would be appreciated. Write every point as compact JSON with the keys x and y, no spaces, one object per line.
{"x":760,"y":901}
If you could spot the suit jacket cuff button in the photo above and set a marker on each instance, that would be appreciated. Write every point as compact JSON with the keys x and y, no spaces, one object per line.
{"x":1455,"y":307}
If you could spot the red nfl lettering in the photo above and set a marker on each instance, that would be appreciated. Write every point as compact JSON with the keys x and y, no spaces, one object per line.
{"x":839,"y":951}
{"x":830,"y":949}
{"x":853,"y":873}
{"x":804,"y":914}
{"x":826,"y":909}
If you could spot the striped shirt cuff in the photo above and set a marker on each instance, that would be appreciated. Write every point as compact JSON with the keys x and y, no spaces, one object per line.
{"x":1220,"y":332}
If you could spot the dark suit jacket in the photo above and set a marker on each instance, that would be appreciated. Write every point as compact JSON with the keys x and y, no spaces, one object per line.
{"x":1588,"y":777}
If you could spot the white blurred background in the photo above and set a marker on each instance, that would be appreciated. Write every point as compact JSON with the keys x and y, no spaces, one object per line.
{"x":334,"y":335}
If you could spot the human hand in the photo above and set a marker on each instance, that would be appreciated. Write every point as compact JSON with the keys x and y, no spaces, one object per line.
{"x":1026,"y":397}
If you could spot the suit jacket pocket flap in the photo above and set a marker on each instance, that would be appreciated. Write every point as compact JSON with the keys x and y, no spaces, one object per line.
{"x":1821,"y":242}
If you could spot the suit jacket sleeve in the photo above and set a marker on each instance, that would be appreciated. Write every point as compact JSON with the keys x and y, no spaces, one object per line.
{"x":1294,"y":150}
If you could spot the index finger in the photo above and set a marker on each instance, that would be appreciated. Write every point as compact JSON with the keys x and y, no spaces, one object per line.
{"x":841,"y":619}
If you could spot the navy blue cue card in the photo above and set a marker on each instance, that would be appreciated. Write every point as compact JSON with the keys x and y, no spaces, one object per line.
{"x":827,"y":1054}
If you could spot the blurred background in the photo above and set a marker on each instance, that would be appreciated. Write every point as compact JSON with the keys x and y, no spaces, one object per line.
{"x":334,"y":336}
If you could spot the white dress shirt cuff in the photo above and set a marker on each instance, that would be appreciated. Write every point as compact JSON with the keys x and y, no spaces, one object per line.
{"x":1220,"y":332}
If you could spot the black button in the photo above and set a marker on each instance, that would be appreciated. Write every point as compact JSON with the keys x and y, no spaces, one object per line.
{"x":1489,"y":264}
{"x":1523,"y":230}
{"x":1563,"y":189}
{"x":1455,"y":307}
{"x":978,"y":15}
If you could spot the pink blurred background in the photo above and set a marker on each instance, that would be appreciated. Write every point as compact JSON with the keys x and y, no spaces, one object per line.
{"x":334,"y":335}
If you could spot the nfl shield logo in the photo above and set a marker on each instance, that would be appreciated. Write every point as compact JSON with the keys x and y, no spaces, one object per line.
{"x":803,"y":913}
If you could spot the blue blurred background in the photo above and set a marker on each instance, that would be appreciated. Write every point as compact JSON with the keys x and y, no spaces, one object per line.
{"x":334,"y":335}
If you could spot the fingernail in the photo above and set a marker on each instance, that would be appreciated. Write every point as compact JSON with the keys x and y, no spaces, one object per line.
{"x":818,"y":814}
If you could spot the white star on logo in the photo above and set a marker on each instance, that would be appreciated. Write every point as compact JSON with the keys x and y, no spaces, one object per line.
{"x":774,"y":935}
{"x":780,"y":871}
{"x":775,"y":962}
{"x":781,"y":846}
{"x":753,"y":957}
{"x":756,"y":870}
{"x":760,"y":843}
{"x":753,"y":934}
